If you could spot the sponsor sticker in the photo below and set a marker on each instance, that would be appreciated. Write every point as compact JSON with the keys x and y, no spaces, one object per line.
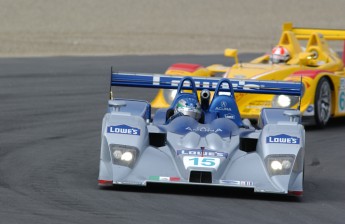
{"x":237,"y":183}
{"x":204,"y":162}
{"x":310,"y":108}
{"x":199,"y":152}
{"x":223,"y":106}
{"x":341,"y":103}
{"x":123,"y":129}
{"x":309,"y":111}
{"x":204,"y":129}
{"x":282,"y":139}
{"x":156,"y":80}
{"x":229,"y":116}
{"x":342,"y":83}
{"x":259,"y":104}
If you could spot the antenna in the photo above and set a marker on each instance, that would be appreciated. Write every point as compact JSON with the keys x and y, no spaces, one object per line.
{"x":111,"y":96}
{"x":300,"y":95}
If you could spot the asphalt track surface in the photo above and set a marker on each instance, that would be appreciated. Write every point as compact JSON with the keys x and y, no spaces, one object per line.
{"x":51,"y":112}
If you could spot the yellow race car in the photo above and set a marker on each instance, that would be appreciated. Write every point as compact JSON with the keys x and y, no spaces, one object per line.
{"x":316,"y":65}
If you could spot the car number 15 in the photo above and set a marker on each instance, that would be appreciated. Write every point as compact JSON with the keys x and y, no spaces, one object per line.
{"x":206,"y":162}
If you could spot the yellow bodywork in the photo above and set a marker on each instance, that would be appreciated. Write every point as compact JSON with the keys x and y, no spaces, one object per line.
{"x":313,"y":62}
{"x":199,"y":71}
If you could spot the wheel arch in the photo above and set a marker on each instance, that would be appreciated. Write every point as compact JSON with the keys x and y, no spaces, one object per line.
{"x":327,"y":76}
{"x":329,"y":79}
{"x":311,"y":81}
{"x":314,"y":76}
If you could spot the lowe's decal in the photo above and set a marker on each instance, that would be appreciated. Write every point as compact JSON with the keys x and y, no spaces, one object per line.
{"x":230,"y":116}
{"x":199,"y":152}
{"x":123,"y":129}
{"x":282,"y":139}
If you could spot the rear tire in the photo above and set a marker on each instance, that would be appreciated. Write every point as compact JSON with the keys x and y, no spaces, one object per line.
{"x":323,"y":102}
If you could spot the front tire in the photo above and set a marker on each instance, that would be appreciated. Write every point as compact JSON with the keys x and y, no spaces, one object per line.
{"x":323,"y":102}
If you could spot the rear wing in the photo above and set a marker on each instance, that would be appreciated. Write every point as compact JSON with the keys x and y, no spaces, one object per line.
{"x":161,"y":81}
{"x":304,"y":33}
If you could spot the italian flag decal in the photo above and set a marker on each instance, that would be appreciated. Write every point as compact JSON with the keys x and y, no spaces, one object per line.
{"x":160,"y":178}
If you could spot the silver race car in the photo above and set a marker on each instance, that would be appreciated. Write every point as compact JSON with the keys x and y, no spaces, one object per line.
{"x":202,"y":141}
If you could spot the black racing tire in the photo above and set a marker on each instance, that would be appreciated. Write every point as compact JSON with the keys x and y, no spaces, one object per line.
{"x":323,"y":102}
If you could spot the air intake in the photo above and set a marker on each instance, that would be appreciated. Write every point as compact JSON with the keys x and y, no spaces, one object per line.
{"x":200,"y":177}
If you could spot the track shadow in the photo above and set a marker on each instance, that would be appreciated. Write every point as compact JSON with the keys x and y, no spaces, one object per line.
{"x":205,"y":191}
{"x":333,"y":124}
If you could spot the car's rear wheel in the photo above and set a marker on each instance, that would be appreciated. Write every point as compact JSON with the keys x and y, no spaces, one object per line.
{"x":323,"y":102}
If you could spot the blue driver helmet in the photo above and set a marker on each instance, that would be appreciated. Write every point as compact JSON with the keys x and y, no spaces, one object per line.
{"x":189,"y":107}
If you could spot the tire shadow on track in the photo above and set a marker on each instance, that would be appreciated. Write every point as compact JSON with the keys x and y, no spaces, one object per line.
{"x":334,"y":123}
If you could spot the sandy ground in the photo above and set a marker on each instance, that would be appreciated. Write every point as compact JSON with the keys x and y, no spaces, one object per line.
{"x":112,"y":27}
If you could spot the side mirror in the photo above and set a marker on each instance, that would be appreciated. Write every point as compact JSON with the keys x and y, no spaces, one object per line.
{"x":294,"y":115}
{"x":232,"y":53}
{"x":116,"y":104}
{"x":305,"y":57}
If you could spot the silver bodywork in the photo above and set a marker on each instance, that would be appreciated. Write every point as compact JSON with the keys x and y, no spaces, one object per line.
{"x":186,"y":152}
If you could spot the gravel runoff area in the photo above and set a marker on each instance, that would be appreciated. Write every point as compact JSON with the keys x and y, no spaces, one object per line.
{"x":118,"y":27}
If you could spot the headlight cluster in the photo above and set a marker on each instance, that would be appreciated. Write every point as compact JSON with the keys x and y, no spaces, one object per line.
{"x":169,"y":95}
{"x":285,"y":101}
{"x":124,"y":155}
{"x":279,"y":164}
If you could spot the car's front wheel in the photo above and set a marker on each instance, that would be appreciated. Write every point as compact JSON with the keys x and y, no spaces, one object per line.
{"x":323,"y":102}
